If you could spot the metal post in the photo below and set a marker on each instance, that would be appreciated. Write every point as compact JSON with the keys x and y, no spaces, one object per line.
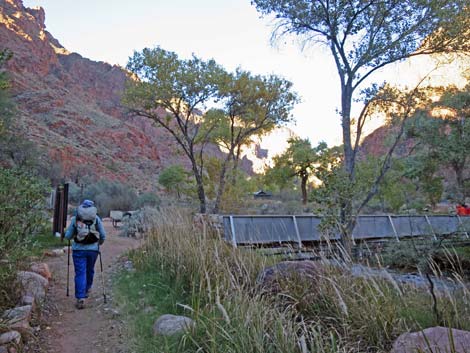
{"x":60,"y":215}
{"x":232,"y":228}
{"x":430,"y":226}
{"x":55,"y":222}
{"x":461,"y":223}
{"x":65,"y":201}
{"x":296,"y":227}
{"x":393,"y":227}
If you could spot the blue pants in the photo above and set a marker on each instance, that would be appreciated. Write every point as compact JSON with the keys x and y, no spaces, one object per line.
{"x":84,"y":263}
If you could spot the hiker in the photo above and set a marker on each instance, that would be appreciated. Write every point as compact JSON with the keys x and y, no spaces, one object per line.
{"x":87,"y":233}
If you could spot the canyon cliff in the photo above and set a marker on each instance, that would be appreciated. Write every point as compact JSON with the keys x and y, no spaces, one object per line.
{"x":70,"y":106}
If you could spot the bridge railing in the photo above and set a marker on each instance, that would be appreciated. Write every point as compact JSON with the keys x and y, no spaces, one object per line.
{"x":263,"y":229}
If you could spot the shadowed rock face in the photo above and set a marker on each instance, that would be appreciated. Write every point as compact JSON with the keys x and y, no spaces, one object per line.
{"x":71,"y":105}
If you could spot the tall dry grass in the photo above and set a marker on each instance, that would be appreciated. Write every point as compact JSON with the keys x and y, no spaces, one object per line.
{"x":335,"y":313}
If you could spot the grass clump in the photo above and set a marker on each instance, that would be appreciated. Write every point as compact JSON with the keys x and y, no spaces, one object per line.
{"x":218,"y":286}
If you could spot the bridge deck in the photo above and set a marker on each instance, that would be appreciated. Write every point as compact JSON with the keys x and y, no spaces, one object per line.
{"x":250,"y":229}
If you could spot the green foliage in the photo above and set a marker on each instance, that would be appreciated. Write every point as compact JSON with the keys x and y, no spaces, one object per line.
{"x":147,"y":199}
{"x":251,"y":106}
{"x":5,"y":104}
{"x":173,"y":92}
{"x":422,"y":169}
{"x":22,"y":204}
{"x":394,"y":191}
{"x":236,"y":192}
{"x":22,"y":216}
{"x":149,"y":293}
{"x":364,"y":37}
{"x":107,"y":195}
{"x":444,"y":140}
{"x":175,"y":179}
{"x":299,"y":160}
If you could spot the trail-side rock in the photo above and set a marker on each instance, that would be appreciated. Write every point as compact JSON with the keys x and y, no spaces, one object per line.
{"x":168,"y":325}
{"x":28,"y":300}
{"x":10,"y":337}
{"x":272,"y":279}
{"x":433,"y":339}
{"x":42,"y":269}
{"x":3,"y":349}
{"x":54,"y":252}
{"x":33,"y":285}
{"x":18,"y":318}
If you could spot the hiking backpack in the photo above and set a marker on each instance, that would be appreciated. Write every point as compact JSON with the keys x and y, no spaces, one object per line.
{"x":85,"y":223}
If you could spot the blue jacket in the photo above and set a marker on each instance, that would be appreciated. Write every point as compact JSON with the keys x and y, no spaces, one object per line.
{"x":72,"y":230}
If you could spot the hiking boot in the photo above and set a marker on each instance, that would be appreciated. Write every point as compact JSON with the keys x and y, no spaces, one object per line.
{"x":80,"y":304}
{"x":88,"y":292}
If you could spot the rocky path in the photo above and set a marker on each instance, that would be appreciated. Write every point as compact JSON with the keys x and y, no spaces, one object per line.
{"x":96,"y":329}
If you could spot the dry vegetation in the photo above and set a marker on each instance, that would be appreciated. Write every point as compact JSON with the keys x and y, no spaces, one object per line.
{"x":204,"y":278}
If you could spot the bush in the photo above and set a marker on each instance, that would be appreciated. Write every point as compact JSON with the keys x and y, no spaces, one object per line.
{"x":22,"y":201}
{"x":107,"y":195}
{"x":148,"y":199}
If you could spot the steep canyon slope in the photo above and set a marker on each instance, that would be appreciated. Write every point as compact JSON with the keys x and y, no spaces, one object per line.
{"x":70,"y":105}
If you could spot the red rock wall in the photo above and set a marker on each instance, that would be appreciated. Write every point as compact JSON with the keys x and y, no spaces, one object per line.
{"x":71,"y":105}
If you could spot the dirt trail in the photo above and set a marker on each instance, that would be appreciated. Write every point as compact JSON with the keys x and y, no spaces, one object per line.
{"x":96,"y":329}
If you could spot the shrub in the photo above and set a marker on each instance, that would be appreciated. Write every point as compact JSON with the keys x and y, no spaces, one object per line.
{"x":108,"y":195}
{"x":22,"y":201}
{"x":148,"y":199}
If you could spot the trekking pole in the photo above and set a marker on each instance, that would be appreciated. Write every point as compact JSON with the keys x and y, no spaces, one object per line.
{"x":68,"y":267}
{"x":102,"y":275}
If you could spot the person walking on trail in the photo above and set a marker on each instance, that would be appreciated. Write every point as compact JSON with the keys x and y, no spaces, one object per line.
{"x":87,"y":234}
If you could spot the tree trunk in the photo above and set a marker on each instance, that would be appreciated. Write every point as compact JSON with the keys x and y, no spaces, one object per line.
{"x":460,"y":183}
{"x":220,"y":190}
{"x":200,"y":187}
{"x":303,"y":186}
{"x":346,"y":216}
{"x":349,"y":162}
{"x":236,"y":159}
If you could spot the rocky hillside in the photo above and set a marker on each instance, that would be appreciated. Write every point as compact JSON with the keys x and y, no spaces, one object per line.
{"x":71,"y":105}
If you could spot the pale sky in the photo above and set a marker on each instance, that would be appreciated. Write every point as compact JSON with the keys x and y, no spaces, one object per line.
{"x":229,"y":31}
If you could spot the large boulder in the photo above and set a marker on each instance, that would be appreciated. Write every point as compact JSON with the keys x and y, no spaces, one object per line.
{"x":18,"y":319}
{"x":433,"y":339}
{"x":10,"y":337}
{"x":42,"y":269}
{"x":168,"y":325}
{"x":33,"y":285}
{"x":275,"y":278}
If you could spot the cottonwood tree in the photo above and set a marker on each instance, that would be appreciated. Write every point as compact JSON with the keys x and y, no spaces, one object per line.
{"x":300,"y":160}
{"x":363,"y":36}
{"x":252,"y":105}
{"x":398,"y":105}
{"x":174,"y":178}
{"x":174,"y":92}
{"x":443,"y":133}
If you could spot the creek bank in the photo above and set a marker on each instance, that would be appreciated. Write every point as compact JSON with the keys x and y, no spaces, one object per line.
{"x":441,"y":284}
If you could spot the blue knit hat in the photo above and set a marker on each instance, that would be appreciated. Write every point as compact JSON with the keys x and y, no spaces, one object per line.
{"x":87,"y":203}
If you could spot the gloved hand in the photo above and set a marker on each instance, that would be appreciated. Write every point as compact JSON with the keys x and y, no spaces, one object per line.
{"x":101,"y":241}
